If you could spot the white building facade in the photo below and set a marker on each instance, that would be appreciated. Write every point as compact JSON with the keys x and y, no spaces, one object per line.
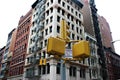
{"x":46,"y":18}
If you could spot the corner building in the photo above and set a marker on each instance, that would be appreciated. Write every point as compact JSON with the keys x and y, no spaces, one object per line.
{"x":46,"y":18}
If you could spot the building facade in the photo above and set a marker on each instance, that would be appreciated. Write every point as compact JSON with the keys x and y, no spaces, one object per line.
{"x":46,"y":18}
{"x":87,"y":18}
{"x":112,"y":59}
{"x":105,"y":32}
{"x":2,"y":50}
{"x":92,"y":61}
{"x":20,"y":49}
{"x":113,"y":64}
{"x":8,"y":50}
{"x":100,"y":50}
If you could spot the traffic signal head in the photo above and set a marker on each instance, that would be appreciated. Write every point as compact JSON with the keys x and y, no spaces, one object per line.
{"x":81,"y":49}
{"x":42,"y":62}
{"x":64,"y":31}
{"x":56,"y":46}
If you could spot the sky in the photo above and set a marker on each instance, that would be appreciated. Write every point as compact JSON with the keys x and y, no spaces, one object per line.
{"x":12,"y":10}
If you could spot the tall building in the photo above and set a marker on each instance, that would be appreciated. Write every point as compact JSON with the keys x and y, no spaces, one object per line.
{"x":100,"y":51}
{"x":87,"y":18}
{"x":105,"y":32}
{"x":46,"y":18}
{"x":20,"y":49}
{"x":94,"y":69}
{"x":8,"y":50}
{"x":112,"y":59}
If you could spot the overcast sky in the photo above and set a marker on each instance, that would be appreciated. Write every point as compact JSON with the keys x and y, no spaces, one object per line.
{"x":12,"y":10}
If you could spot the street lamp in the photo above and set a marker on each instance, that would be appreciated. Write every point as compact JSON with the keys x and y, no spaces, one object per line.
{"x":116,"y":46}
{"x":115,"y":41}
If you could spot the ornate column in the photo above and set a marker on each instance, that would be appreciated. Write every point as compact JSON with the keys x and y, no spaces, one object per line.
{"x":53,"y":65}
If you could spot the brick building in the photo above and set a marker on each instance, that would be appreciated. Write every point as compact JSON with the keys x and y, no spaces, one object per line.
{"x":112,"y":58}
{"x":18,"y":59}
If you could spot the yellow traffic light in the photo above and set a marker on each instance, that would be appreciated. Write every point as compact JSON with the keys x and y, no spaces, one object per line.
{"x":64,"y":31}
{"x":81,"y":49}
{"x":56,"y":46}
{"x":42,"y":62}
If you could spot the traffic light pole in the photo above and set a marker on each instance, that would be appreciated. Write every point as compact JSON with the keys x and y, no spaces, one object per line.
{"x":62,"y":70}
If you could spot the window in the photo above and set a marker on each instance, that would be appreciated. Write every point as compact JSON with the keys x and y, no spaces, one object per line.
{"x":76,"y":13}
{"x":44,"y":70}
{"x":63,"y":12}
{"x":68,"y":16}
{"x":72,"y":18}
{"x":51,"y":18}
{"x":58,"y":29}
{"x":82,"y":73}
{"x":83,"y":61}
{"x":80,"y":31}
{"x":59,"y":1}
{"x":47,"y":12}
{"x":46,"y":32}
{"x":72,"y":71}
{"x":77,"y":37}
{"x":63,"y":4}
{"x":79,"y":23}
{"x":48,"y":4}
{"x":68,"y":23}
{"x":72,"y":10}
{"x":51,"y":1}
{"x":68,"y":7}
{"x":51,"y":9}
{"x":79,"y":15}
{"x":69,"y":45}
{"x":50,"y":29}
{"x":72,"y":26}
{"x":47,"y":21}
{"x":58,"y":9}
{"x":58,"y":68}
{"x":48,"y":68}
{"x":77,"y":29}
{"x":76,"y":21}
{"x":58,"y":19}
{"x":45,"y":42}
{"x":73,"y":36}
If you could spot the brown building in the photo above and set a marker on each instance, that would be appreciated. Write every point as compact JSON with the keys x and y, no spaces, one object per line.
{"x":18,"y":59}
{"x":105,"y":32}
{"x":87,"y":18}
{"x":112,"y":59}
